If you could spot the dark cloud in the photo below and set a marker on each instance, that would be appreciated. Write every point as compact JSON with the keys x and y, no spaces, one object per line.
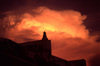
{"x":98,"y":39}
{"x":84,"y":6}
{"x":6,"y":5}
{"x":95,"y":60}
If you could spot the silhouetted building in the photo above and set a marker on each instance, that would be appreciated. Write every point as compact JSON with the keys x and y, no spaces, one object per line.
{"x":35,"y":53}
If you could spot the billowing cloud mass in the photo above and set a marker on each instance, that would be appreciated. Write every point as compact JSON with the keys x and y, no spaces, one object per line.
{"x":67,"y":23}
{"x":70,"y":38}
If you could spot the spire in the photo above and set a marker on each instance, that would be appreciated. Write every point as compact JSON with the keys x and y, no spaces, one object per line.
{"x":44,"y":36}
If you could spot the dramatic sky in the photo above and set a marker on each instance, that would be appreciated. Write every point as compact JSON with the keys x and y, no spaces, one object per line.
{"x":72,"y":25}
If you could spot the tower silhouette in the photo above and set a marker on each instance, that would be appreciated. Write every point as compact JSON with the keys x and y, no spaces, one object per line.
{"x":44,"y":36}
{"x":33,"y":53}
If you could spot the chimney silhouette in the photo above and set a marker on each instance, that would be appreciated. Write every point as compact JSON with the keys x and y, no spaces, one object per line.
{"x":44,"y":36}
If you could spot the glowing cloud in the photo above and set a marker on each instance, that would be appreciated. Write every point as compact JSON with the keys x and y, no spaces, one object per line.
{"x":68,"y":23}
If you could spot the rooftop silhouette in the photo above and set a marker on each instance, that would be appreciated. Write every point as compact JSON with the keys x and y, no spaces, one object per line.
{"x":34,"y":53}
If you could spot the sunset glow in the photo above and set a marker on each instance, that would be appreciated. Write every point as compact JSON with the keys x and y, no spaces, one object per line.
{"x":73,"y":26}
{"x":65,"y":28}
{"x":69,"y":23}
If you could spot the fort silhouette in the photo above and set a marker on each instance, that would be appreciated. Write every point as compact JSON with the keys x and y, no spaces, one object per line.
{"x":34,"y":53}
